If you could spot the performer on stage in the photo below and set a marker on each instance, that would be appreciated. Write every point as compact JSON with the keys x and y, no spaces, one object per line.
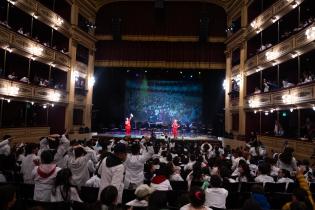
{"x":175,"y":127}
{"x":128,"y":125}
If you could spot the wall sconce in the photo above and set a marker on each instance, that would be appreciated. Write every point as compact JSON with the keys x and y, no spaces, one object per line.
{"x":288,"y":99}
{"x":9,"y":49}
{"x":58,"y":21}
{"x":274,"y":19}
{"x":12,"y":90}
{"x":271,"y":55}
{"x":253,"y":24}
{"x":253,"y":103}
{"x":310,"y":33}
{"x":53,"y":96}
{"x":91,"y":81}
{"x":36,"y":50}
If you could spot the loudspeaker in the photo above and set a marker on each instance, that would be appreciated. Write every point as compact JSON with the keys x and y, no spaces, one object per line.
{"x":204,"y":29}
{"x":159,"y":4}
{"x":116,"y":29}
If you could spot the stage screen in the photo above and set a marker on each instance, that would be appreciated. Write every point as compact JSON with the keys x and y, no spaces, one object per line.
{"x":161,"y":101}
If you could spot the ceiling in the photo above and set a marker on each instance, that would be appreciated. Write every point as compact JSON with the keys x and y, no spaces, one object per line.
{"x":226,"y":4}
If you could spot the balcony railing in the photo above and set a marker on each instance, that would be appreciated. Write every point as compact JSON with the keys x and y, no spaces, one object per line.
{"x":287,"y":97}
{"x":26,"y":46}
{"x":45,"y":15}
{"x":13,"y":89}
{"x":271,"y":15}
{"x":295,"y":45}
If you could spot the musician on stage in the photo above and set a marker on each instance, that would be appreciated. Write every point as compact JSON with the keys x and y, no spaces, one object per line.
{"x":175,"y":127}
{"x":128,"y":125}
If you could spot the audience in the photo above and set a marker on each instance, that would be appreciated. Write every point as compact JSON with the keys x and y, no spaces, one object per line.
{"x":216,"y":195}
{"x":197,"y":200}
{"x":142,"y":193}
{"x":7,"y":197}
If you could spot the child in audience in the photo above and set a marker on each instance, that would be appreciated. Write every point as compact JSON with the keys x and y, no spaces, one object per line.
{"x":62,"y":190}
{"x":264,"y":171}
{"x":44,"y":177}
{"x":108,"y":198}
{"x":197,"y":200}
{"x":142,"y":193}
{"x":161,"y":180}
{"x":216,"y":195}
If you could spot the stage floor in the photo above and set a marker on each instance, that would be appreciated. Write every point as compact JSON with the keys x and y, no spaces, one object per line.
{"x":159,"y":136}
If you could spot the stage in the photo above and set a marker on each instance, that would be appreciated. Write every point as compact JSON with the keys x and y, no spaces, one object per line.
{"x":138,"y":134}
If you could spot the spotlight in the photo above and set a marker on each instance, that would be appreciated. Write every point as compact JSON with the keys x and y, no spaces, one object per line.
{"x":191,"y":76}
{"x":181,"y":72}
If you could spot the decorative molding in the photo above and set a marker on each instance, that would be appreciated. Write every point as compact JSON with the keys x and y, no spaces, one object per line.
{"x":161,"y":38}
{"x":83,"y":37}
{"x":160,"y":64}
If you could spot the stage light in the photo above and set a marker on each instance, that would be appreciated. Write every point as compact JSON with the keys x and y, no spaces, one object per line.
{"x":181,"y":72}
{"x":255,"y":112}
{"x":52,"y":105}
{"x":145,"y":71}
{"x":191,"y":76}
{"x":8,"y":100}
{"x":291,"y":110}
{"x":45,"y":106}
{"x":266,"y":113}
{"x":32,"y":102}
{"x":272,"y":110}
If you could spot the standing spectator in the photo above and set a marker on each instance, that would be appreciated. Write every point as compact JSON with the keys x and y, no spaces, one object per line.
{"x":135,"y":165}
{"x":29,"y":162}
{"x":112,"y":170}
{"x":5,"y":148}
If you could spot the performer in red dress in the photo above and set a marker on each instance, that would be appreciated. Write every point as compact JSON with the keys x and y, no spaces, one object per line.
{"x":175,"y":127}
{"x":128,"y":125}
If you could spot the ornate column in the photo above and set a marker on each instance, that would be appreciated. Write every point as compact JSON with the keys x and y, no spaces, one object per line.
{"x":90,"y":83}
{"x":228,"y":116}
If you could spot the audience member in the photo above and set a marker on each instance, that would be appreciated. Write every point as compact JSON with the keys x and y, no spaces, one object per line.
{"x":142,"y":193}
{"x":7,"y":197}
{"x":216,"y":195}
{"x":197,"y":200}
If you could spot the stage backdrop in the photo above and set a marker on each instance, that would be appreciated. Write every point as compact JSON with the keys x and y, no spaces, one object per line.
{"x":162,"y":101}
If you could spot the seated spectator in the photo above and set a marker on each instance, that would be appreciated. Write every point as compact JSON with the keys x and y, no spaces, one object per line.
{"x":302,"y":194}
{"x":108,"y":198}
{"x":197,"y":200}
{"x":161,"y":180}
{"x":216,"y":195}
{"x":5,"y":148}
{"x":7,"y":197}
{"x":284,"y":177}
{"x":25,"y":80}
{"x":286,"y":83}
{"x":175,"y":174}
{"x":142,"y":193}
{"x":268,"y":85}
{"x":258,"y":196}
{"x":257,"y":90}
{"x":12,"y":76}
{"x":94,"y":181}
{"x":196,"y":175}
{"x":244,"y":174}
{"x":62,"y":190}
{"x":44,"y":176}
{"x":264,"y":171}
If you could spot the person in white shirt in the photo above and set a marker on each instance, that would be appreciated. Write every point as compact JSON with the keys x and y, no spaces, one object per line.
{"x":283,"y":177}
{"x":134,"y":165}
{"x":78,"y":163}
{"x":112,"y":170}
{"x":142,"y":193}
{"x":62,"y":190}
{"x":29,"y":162}
{"x":59,"y":143}
{"x":286,"y":160}
{"x":94,"y":181}
{"x":197,"y":200}
{"x":216,"y":195}
{"x":161,"y":180}
{"x":192,"y":161}
{"x":264,"y":171}
{"x":175,"y":174}
{"x":196,"y":175}
{"x":5,"y":148}
{"x":44,"y":177}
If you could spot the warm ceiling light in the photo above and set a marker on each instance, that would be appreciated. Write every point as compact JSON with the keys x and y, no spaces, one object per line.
{"x":58,"y":21}
{"x":310,"y":33}
{"x":253,"y":103}
{"x":12,"y":90}
{"x":53,"y":96}
{"x":36,"y":50}
{"x":271,"y":55}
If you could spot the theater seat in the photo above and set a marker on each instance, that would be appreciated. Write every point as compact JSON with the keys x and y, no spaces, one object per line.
{"x":291,"y":187}
{"x":89,"y":194}
{"x":179,"y":185}
{"x":312,"y":187}
{"x":274,"y":187}
{"x":128,"y":195}
{"x":246,"y":186}
{"x":277,"y":200}
{"x":48,"y":205}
